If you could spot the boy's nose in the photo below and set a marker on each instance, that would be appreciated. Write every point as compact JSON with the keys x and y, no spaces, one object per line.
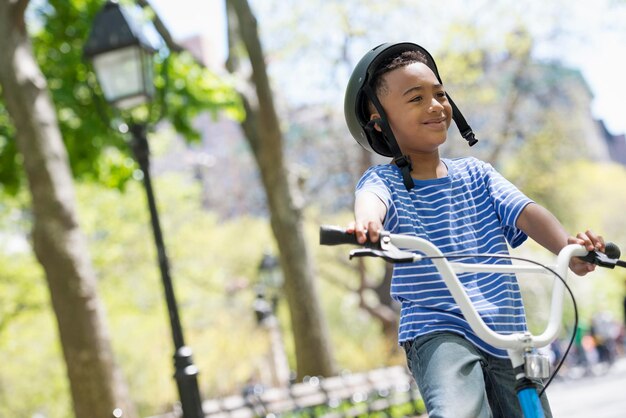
{"x":435,"y":104}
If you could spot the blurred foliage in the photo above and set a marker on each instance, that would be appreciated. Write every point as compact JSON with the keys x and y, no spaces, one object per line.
{"x":97,"y":150}
{"x":535,"y":167}
{"x":214,"y":269}
{"x":588,"y":196}
{"x":10,"y":162}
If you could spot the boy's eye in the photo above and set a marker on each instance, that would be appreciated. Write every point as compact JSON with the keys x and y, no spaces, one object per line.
{"x":416,"y":99}
{"x":441,"y":94}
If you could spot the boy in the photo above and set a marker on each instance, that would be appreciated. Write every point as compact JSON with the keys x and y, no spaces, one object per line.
{"x":396,"y":106}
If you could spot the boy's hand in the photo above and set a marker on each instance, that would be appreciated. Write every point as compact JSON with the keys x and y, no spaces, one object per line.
{"x":369,"y":212}
{"x":591,"y":242}
{"x":363,"y":229}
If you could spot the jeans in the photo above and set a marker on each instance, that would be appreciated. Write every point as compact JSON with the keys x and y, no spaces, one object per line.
{"x":456,"y":379}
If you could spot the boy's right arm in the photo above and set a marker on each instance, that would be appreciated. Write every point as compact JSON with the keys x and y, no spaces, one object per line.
{"x":369,"y":214}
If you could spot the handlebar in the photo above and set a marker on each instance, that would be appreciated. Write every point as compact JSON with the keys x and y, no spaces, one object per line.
{"x":397,"y":248}
{"x":335,"y":235}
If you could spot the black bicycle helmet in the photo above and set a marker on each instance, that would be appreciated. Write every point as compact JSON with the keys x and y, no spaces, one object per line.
{"x":360,"y":92}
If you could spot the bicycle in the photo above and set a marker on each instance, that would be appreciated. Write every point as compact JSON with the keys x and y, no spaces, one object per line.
{"x":521,"y":347}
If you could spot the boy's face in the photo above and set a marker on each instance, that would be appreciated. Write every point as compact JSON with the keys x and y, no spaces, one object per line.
{"x":417,"y":108}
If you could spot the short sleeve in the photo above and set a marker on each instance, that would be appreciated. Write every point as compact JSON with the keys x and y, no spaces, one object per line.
{"x":372,"y":182}
{"x":509,"y":202}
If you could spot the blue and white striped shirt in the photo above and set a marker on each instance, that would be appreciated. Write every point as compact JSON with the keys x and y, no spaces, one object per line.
{"x":473,"y":210}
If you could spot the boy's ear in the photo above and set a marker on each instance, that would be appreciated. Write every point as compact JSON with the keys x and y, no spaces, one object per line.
{"x":374,"y":119}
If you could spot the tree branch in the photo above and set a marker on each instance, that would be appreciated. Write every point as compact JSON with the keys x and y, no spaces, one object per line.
{"x":159,"y":25}
{"x":161,"y":28}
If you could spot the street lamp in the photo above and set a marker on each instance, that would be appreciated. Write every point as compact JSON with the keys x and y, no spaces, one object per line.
{"x":121,"y":55}
{"x":270,"y":279}
{"x":122,"y":59}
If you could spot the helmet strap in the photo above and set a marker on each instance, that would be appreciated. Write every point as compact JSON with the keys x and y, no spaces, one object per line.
{"x":461,"y":123}
{"x":402,"y":161}
{"x":405,"y":166}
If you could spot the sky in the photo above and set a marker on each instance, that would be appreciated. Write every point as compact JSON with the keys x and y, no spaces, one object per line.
{"x":601,"y":55}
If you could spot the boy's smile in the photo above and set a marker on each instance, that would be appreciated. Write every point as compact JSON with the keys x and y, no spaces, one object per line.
{"x":437,"y":123}
{"x":417,"y":108}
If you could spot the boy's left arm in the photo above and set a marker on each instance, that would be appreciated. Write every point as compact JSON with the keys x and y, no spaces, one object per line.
{"x":542,"y":226}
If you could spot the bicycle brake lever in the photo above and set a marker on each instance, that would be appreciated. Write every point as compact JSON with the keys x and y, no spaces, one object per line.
{"x":602,"y":260}
{"x":609,"y":258}
{"x":391,"y":256}
{"x":387,"y":251}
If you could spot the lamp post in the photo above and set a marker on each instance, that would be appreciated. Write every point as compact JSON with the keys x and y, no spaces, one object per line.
{"x":270,"y":283}
{"x":270,"y":279}
{"x":122,"y":59}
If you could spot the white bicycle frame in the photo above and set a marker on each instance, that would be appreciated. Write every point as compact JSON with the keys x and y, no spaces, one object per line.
{"x":516,"y":344}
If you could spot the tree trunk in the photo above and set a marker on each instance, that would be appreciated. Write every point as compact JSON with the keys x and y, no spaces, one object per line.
{"x":262,"y":130}
{"x":96,"y":385}
{"x":381,"y":310}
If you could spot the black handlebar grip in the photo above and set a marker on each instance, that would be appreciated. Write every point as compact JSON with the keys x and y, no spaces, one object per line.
{"x":612,"y":250}
{"x":334,"y":235}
